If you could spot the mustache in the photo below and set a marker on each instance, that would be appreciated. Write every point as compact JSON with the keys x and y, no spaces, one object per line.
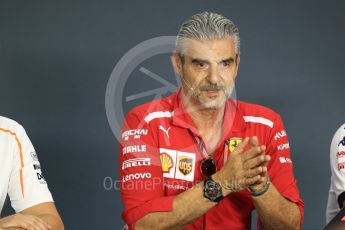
{"x":212,"y":87}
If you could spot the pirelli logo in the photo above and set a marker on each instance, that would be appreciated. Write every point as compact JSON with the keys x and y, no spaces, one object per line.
{"x":137,"y":162}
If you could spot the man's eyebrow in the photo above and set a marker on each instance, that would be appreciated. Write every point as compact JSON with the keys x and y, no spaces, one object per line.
{"x":230,"y":59}
{"x":198,"y":60}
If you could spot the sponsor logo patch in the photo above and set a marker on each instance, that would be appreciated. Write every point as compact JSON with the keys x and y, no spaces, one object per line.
{"x":137,"y":162}
{"x":167,"y":162}
{"x":34,"y":156}
{"x":341,"y":166}
{"x":342,"y":142}
{"x":285,"y":160}
{"x":41,"y":178}
{"x":185,"y":165}
{"x":280,"y":135}
{"x":233,"y":143}
{"x":166,"y":131}
{"x":134,"y":149}
{"x":37,"y":167}
{"x":283,"y":146}
{"x":39,"y":174}
{"x":136,"y":176}
{"x":340,"y":154}
{"x":136,"y":133}
{"x":178,"y":165}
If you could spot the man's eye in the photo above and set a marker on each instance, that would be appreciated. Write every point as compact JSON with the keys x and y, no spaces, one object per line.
{"x":201,"y":64}
{"x":226,"y":63}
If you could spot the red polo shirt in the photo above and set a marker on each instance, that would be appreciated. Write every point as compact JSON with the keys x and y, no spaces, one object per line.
{"x":160,"y":158}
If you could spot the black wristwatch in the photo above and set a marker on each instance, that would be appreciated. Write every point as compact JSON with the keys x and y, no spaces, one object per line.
{"x":212,"y":190}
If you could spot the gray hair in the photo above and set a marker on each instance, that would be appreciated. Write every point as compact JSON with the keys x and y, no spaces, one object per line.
{"x":207,"y":25}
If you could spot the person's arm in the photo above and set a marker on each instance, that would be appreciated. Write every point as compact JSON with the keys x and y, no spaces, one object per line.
{"x":240,"y":171}
{"x":336,"y":196}
{"x":278,"y":209}
{"x":28,"y":190}
{"x":41,"y":217}
{"x":48,"y":213}
{"x":276,"y":212}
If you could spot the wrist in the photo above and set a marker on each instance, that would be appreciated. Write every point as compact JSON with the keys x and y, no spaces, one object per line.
{"x":260,"y":189}
{"x":217,"y":177}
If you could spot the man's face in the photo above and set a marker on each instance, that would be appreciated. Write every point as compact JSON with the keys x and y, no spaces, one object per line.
{"x":210,"y":68}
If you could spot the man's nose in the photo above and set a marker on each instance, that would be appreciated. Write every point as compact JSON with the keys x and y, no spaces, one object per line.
{"x":213,"y":75}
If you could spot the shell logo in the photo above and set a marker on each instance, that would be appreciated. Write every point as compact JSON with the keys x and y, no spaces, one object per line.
{"x":167,"y":162}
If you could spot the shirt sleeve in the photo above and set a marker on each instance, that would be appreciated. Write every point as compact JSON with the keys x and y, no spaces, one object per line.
{"x":337,"y":161}
{"x":27,"y":186}
{"x":280,"y":168}
{"x":141,"y":174}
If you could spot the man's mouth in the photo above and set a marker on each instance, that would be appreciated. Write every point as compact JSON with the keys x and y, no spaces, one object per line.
{"x":212,"y":93}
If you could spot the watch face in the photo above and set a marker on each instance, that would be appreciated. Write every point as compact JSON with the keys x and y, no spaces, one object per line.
{"x":211,"y":189}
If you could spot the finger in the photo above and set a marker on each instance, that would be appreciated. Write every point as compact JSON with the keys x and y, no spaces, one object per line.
{"x":254,"y":141}
{"x":260,"y":181}
{"x":37,"y":223}
{"x":240,"y":147}
{"x":251,"y":153}
{"x":254,"y":162}
{"x":252,"y":180}
{"x":40,"y":224}
{"x":253,"y":172}
{"x":266,"y":160}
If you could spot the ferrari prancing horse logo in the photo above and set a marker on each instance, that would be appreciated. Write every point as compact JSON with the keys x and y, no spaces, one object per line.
{"x":234,"y":142}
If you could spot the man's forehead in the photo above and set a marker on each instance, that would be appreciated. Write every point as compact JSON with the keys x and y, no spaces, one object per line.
{"x":209,"y":49}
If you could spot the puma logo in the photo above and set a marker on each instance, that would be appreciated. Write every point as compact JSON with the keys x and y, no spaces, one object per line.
{"x":166,"y":131}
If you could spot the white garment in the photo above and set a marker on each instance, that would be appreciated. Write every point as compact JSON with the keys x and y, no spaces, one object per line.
{"x":20,"y":172}
{"x":337,"y":160}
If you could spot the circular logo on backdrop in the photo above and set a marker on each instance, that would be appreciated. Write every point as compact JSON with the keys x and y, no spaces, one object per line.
{"x":132,"y":65}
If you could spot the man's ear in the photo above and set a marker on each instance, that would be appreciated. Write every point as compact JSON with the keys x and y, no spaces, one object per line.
{"x":176,"y":62}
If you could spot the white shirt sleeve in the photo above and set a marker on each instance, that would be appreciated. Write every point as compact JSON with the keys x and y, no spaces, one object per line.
{"x":27,"y":186}
{"x":337,"y":161}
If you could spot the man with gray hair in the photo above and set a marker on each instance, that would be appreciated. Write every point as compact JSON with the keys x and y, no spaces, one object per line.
{"x":198,"y":159}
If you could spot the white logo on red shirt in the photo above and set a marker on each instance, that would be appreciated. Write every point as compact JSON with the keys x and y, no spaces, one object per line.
{"x":166,"y":131}
{"x":134,"y":132}
{"x":283,"y":146}
{"x":136,"y":176}
{"x":134,"y":149}
{"x":285,"y":160}
{"x":137,"y":162}
{"x":279,"y":135}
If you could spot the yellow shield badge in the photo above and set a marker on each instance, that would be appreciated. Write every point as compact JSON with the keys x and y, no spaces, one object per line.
{"x":234,"y":142}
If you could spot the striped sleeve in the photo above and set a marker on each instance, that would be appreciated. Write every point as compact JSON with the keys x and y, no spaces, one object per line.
{"x":27,"y":186}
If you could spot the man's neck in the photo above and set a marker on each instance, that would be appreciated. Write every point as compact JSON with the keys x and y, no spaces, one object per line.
{"x":204,"y":118}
